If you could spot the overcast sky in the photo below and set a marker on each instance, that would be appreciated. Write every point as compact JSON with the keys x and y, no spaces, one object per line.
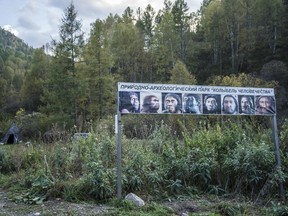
{"x":37,"y":21}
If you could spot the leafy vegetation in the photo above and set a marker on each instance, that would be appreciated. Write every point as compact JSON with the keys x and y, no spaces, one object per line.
{"x":221,"y":160}
{"x":69,"y":86}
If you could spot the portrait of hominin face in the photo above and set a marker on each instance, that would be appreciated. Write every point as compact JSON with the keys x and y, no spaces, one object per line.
{"x":246,"y":104}
{"x":172,"y":103}
{"x":129,"y":102}
{"x":151,"y":103}
{"x":229,"y":105}
{"x":265,"y":105}
{"x":192,"y":103}
{"x":211,"y":104}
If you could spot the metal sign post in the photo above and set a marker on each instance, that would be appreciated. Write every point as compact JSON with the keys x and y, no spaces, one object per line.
{"x":276,"y":150}
{"x":118,"y":131}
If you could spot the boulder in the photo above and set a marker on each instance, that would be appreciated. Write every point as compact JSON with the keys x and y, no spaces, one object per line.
{"x":135,"y":199}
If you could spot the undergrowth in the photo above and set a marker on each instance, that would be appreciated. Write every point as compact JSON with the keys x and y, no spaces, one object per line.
{"x":218,"y":158}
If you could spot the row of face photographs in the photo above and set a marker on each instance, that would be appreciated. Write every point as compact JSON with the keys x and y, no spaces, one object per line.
{"x":136,"y":102}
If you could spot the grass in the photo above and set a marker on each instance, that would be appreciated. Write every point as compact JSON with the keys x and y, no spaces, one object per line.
{"x":196,"y":205}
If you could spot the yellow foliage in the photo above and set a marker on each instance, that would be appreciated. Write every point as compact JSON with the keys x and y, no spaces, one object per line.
{"x":20,"y":112}
{"x":241,"y":80}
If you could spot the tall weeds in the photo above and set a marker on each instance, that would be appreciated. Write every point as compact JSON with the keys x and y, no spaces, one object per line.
{"x":215,"y":156}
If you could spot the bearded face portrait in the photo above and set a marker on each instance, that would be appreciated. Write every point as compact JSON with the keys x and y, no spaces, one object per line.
{"x":230,"y":105}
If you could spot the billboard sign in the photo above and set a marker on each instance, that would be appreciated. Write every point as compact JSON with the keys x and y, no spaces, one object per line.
{"x":143,"y":98}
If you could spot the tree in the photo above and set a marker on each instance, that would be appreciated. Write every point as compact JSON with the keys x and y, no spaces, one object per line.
{"x":32,"y":88}
{"x":3,"y":83}
{"x":241,"y":80}
{"x":180,"y":75}
{"x":268,"y":18}
{"x":67,"y":51}
{"x":99,"y":84}
{"x":232,"y":16}
{"x":163,"y":52}
{"x":3,"y":89}
{"x":182,"y":27}
{"x":128,"y":15}
{"x":284,"y":33}
{"x":145,"y":23}
{"x":215,"y":31}
{"x":127,"y":47}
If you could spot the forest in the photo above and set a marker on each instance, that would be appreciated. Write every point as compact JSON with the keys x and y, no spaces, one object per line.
{"x":70,"y":85}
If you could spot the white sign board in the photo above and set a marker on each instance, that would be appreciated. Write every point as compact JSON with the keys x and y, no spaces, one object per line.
{"x":143,"y":98}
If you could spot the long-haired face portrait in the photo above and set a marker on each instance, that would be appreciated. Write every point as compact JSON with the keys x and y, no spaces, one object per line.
{"x":265,"y":105}
{"x":246,"y":104}
{"x":129,"y":102}
{"x":192,"y":103}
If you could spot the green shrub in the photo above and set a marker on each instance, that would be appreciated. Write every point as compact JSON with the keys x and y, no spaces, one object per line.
{"x":7,"y":164}
{"x":100,"y":182}
{"x":277,"y":208}
{"x":248,"y":166}
{"x":228,"y":209}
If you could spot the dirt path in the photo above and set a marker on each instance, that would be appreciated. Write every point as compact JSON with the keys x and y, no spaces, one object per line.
{"x":61,"y":208}
{"x":55,"y":207}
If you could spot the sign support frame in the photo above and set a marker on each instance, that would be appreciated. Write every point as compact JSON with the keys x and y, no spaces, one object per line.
{"x":202,"y":90}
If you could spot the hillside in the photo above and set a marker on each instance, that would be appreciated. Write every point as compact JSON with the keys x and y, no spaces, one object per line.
{"x":15,"y":60}
{"x":15,"y":54}
{"x":13,"y":43}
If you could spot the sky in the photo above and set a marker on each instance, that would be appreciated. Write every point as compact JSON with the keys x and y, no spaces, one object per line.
{"x":37,"y":22}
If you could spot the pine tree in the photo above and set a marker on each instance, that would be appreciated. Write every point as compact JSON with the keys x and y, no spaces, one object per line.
{"x":62,"y":87}
{"x":165,"y":42}
{"x":182,"y":27}
{"x":98,"y":84}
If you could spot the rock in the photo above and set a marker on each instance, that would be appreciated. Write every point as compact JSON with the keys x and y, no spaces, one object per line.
{"x":135,"y":199}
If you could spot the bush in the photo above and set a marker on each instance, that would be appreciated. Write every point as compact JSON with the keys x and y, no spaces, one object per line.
{"x":7,"y":164}
{"x":35,"y":124}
